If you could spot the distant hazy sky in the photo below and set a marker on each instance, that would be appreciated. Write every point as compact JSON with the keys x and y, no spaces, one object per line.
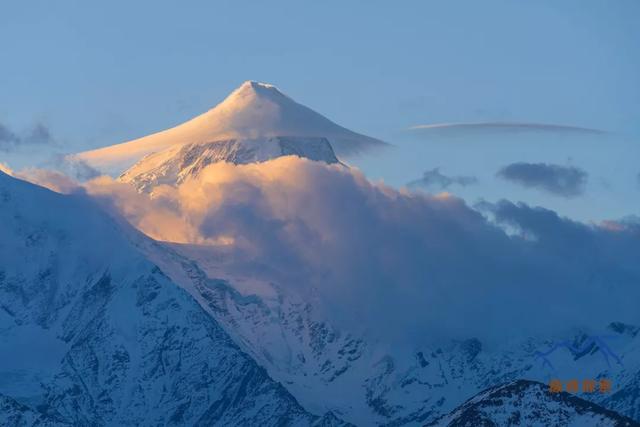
{"x":98,"y":73}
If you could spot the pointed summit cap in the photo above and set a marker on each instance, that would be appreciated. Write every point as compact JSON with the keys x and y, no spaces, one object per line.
{"x":254,"y":110}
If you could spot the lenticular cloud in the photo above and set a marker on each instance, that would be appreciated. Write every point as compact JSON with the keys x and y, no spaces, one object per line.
{"x":411,"y":265}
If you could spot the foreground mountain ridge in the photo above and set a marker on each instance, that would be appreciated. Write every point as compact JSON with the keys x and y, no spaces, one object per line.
{"x":529,"y":403}
{"x":100,"y":336}
{"x":342,"y":371}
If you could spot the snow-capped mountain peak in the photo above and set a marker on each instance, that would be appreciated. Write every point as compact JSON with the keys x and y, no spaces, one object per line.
{"x":252,"y":88}
{"x":252,"y":111}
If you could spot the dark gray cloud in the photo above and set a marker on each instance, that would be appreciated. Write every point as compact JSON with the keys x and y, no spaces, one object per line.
{"x":73,"y":167}
{"x":82,"y":171}
{"x":506,"y":127}
{"x":565,"y":181}
{"x":7,"y":137}
{"x":434,"y":179}
{"x":36,"y":135}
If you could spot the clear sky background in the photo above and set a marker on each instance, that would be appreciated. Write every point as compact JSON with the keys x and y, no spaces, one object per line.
{"x":99,"y":73}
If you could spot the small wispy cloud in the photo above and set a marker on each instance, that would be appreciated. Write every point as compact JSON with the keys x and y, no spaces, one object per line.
{"x":7,"y":137}
{"x":565,"y":181}
{"x":35,"y":135}
{"x":507,"y":127}
{"x":434,"y":179}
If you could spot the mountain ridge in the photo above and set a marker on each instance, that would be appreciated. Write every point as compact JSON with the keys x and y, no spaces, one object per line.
{"x":370,"y":385}
{"x":124,"y":345}
{"x":529,"y":403}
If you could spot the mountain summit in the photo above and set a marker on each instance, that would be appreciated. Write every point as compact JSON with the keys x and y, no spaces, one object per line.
{"x":253,"y":111}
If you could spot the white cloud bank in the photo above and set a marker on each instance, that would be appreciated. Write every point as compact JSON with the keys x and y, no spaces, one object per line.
{"x":410,"y":266}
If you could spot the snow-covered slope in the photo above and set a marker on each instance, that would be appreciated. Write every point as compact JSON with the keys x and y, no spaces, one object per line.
{"x":368,"y":383}
{"x":530,"y":404}
{"x":15,"y":414}
{"x":177,"y":163}
{"x":254,"y":111}
{"x":94,"y":334}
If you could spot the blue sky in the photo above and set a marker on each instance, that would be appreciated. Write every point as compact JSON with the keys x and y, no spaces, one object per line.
{"x":99,"y":73}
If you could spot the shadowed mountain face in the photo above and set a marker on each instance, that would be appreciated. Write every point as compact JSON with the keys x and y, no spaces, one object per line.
{"x":333,"y":368}
{"x":176,"y":164}
{"x":254,"y":113}
{"x":100,"y":336}
{"x":529,"y":403}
